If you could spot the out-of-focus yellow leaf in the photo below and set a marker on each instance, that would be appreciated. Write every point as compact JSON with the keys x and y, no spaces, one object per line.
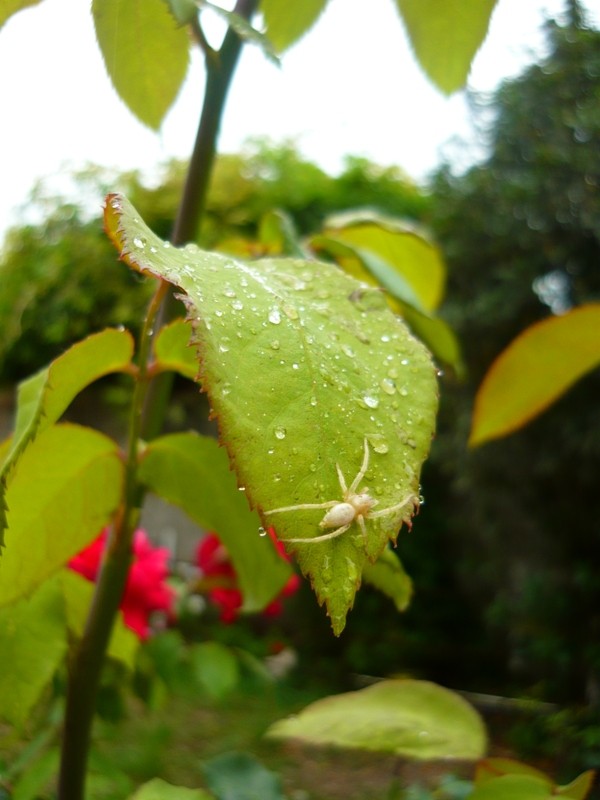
{"x":404,"y":248}
{"x":534,"y":370}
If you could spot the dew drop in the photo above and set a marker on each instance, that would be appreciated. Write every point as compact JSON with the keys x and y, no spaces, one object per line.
{"x":348,"y":350}
{"x":280,"y":432}
{"x":404,"y":391}
{"x":153,"y":250}
{"x":139,"y":242}
{"x":275,"y":344}
{"x":370,"y":401}
{"x":262,"y":531}
{"x":229,"y":292}
{"x":388,"y":386}
{"x":291,"y":312}
{"x":274,"y":316}
{"x":237,"y":305}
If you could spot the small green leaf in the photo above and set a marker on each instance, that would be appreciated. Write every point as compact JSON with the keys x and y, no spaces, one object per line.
{"x":77,"y":594}
{"x":33,"y":643}
{"x":244,"y":29}
{"x":278,"y":233}
{"x":239,"y":776}
{"x":192,"y":472}
{"x":43,"y":398}
{"x":415,"y":719}
{"x":215,"y":668}
{"x":157,"y":789}
{"x":491,"y":768}
{"x":534,"y":370}
{"x":387,"y":574}
{"x":174,"y":351}
{"x":446,"y":35}
{"x":307,"y":370}
{"x":10,"y":7}
{"x":145,"y":53}
{"x":287,"y":22}
{"x":514,"y":787}
{"x":579,"y":788}
{"x":63,"y":491}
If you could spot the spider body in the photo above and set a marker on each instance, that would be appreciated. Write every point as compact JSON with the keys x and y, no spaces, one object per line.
{"x":355,"y":506}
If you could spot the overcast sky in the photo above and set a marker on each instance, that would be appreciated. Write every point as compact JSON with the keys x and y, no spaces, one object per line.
{"x":350,"y":87}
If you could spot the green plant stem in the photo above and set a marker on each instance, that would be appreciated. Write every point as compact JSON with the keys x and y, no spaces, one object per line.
{"x":220,"y":68}
{"x":85,"y":666}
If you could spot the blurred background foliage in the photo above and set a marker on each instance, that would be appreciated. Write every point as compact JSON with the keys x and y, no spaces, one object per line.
{"x":504,"y":554}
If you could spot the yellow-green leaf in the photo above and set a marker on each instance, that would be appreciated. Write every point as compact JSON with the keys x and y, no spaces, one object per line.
{"x":64,"y":489}
{"x":446,"y":35}
{"x":398,"y":250}
{"x":33,"y":642}
{"x":534,"y":370}
{"x":146,"y":54}
{"x":416,"y":719}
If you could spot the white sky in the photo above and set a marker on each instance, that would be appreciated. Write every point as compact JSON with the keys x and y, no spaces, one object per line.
{"x":350,"y":86}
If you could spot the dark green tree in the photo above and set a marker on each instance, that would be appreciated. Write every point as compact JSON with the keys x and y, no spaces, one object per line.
{"x":521,"y":231}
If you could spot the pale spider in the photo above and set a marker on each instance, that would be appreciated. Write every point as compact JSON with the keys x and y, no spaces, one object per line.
{"x":354,"y":506}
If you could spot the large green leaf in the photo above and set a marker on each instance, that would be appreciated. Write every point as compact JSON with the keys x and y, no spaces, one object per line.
{"x":10,"y":7}
{"x":145,"y":53}
{"x":192,"y":472}
{"x":416,"y":719}
{"x":534,"y":370}
{"x":64,"y":489}
{"x":43,"y":398}
{"x":287,"y":22}
{"x":306,"y":369}
{"x":445,"y":35}
{"x":33,"y":642}
{"x":157,"y":789}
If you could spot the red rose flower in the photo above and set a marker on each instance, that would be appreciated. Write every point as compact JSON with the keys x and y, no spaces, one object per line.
{"x":146,"y":591}
{"x":213,"y":559}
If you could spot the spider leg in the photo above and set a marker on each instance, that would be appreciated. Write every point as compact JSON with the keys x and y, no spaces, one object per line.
{"x":391,"y":509}
{"x":302,"y":507}
{"x":323,"y":538}
{"x":361,"y":524}
{"x":362,"y":471}
{"x":342,"y":481}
